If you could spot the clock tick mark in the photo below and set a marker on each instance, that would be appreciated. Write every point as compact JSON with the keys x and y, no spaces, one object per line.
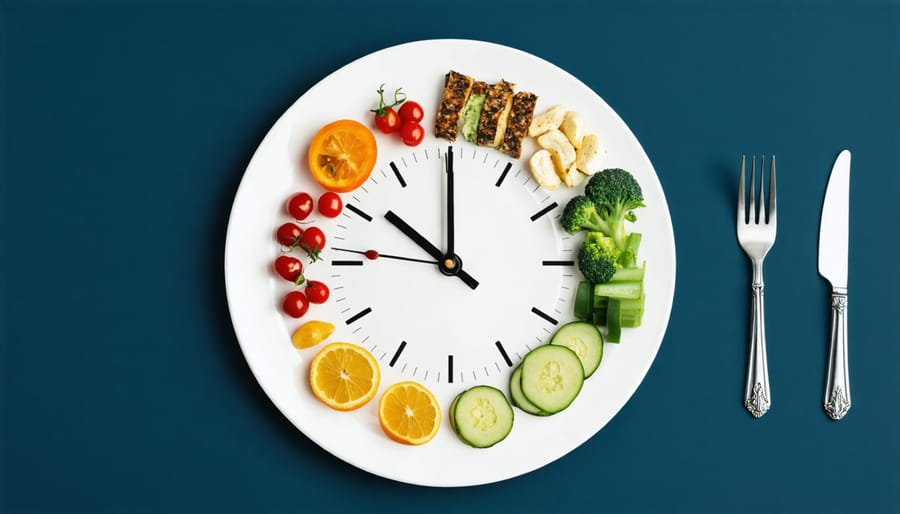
{"x":503,"y":174}
{"x":373,"y":180}
{"x":403,"y":369}
{"x":450,"y":369}
{"x":383,"y":173}
{"x":397,"y":353}
{"x":557,"y":263}
{"x":357,"y":330}
{"x":398,"y":175}
{"x":358,"y":315}
{"x":545,"y":210}
{"x":359,"y":212}
{"x":503,"y":353}
{"x":364,"y":189}
{"x":541,"y":314}
{"x":497,"y":366}
{"x":403,"y":160}
{"x":345,"y":310}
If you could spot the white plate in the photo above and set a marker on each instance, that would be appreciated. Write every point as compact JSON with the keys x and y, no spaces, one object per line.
{"x":278,"y":169}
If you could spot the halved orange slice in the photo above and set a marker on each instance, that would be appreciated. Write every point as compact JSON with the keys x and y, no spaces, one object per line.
{"x":409,"y":413}
{"x":342,"y":155}
{"x":344,"y":376}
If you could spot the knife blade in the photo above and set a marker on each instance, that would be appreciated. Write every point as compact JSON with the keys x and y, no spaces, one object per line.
{"x":834,"y":236}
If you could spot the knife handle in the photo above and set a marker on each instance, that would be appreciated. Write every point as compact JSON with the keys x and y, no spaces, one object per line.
{"x":837,"y":384}
{"x":756,"y":390}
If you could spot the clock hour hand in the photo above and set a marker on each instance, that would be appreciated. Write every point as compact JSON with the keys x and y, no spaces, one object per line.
{"x":447,"y":266}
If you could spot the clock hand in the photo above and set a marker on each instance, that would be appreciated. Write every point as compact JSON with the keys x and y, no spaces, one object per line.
{"x":450,"y":232}
{"x":447,"y":266}
{"x":374,"y":254}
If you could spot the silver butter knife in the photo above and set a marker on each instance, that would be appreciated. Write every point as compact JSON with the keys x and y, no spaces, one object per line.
{"x":834,"y":230}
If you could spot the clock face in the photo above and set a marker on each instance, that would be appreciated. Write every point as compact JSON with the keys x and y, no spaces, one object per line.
{"x":446,"y":328}
{"x":425,"y":325}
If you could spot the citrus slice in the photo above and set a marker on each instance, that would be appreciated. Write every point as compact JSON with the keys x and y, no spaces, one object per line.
{"x":311,"y":333}
{"x":409,"y":413}
{"x":344,"y":376}
{"x":342,"y":155}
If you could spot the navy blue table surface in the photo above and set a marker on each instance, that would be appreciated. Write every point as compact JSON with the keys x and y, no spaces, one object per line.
{"x":125,"y":131}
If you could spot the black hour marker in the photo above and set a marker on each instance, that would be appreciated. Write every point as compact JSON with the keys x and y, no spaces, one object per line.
{"x":503,"y":175}
{"x":558,"y":263}
{"x":397,"y":354}
{"x":543,"y":211}
{"x":358,"y":212}
{"x":450,"y":368}
{"x":362,"y":313}
{"x":346,"y":263}
{"x":397,"y":173}
{"x":544,"y":315}
{"x":504,"y":354}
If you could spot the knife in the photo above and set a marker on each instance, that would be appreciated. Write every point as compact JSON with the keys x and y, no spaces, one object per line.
{"x":834,"y":229}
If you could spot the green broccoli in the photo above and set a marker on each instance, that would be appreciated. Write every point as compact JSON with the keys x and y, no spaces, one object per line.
{"x":615,"y":194}
{"x":581,"y":214}
{"x":597,"y":258}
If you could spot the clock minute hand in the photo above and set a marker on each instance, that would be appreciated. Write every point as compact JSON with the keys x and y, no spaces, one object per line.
{"x":450,"y":231}
{"x":432,"y":250}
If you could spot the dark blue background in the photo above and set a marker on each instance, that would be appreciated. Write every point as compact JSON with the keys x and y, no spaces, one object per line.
{"x":125,"y":131}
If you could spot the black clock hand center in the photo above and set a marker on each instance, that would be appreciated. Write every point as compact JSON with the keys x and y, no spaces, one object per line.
{"x":455,"y":267}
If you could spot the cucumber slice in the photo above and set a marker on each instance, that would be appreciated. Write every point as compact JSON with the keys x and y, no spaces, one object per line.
{"x":452,"y":416}
{"x":482,"y":416}
{"x":585,"y":340}
{"x":552,"y":377}
{"x":518,"y":399}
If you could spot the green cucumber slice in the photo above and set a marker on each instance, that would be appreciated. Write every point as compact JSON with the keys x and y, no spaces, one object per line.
{"x":482,"y":416}
{"x":584,"y":299}
{"x":585,"y":340}
{"x":552,"y":377}
{"x":518,"y":399}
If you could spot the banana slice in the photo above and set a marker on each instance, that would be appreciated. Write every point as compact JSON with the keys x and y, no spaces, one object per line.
{"x":573,"y":126}
{"x":589,"y":157}
{"x":560,"y":148}
{"x":543,"y":170}
{"x":549,"y":120}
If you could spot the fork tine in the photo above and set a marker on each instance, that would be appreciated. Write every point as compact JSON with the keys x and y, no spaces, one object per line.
{"x":754,"y":212}
{"x":771,"y":217}
{"x":741,"y":210}
{"x":761,"y":209}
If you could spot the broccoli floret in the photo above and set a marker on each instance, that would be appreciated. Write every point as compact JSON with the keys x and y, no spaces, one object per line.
{"x":597,"y":258}
{"x":615,"y":194}
{"x":581,"y":214}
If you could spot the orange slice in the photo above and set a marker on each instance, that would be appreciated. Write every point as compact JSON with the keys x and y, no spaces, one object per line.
{"x":342,"y":155}
{"x":409,"y":413}
{"x":311,"y":333}
{"x":344,"y":376}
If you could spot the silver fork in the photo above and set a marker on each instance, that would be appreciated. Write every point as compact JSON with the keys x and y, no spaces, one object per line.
{"x":756,"y":234}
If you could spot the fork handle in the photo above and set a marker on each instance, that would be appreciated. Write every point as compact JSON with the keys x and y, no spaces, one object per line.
{"x":837,"y":383}
{"x":756,"y":391}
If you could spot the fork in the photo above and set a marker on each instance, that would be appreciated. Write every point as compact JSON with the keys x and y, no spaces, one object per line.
{"x":756,"y":235}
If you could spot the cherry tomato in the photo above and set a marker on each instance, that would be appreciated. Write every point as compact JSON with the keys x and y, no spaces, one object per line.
{"x":300,"y":206}
{"x":386,"y":118}
{"x":289,"y":235}
{"x":317,"y":292}
{"x":313,"y":241}
{"x":411,"y":111}
{"x":295,"y":304}
{"x":388,"y":122}
{"x":289,"y":268}
{"x":411,"y":133}
{"x":330,"y":204}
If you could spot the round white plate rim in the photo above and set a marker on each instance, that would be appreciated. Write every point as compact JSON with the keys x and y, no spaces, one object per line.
{"x":243,"y":330}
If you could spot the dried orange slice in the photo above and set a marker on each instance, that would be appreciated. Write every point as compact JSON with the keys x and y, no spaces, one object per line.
{"x":342,"y":155}
{"x":409,"y":413}
{"x":344,"y":376}
{"x":311,"y":333}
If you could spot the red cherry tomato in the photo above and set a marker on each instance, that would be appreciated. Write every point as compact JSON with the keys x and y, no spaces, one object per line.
{"x":300,"y":206}
{"x":330,"y":204}
{"x":411,"y":133}
{"x":289,"y":268}
{"x":313,"y":241}
{"x":389,"y":122}
{"x":289,"y":235}
{"x":386,"y":118}
{"x":317,"y":292}
{"x":295,"y":304}
{"x":411,"y":111}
